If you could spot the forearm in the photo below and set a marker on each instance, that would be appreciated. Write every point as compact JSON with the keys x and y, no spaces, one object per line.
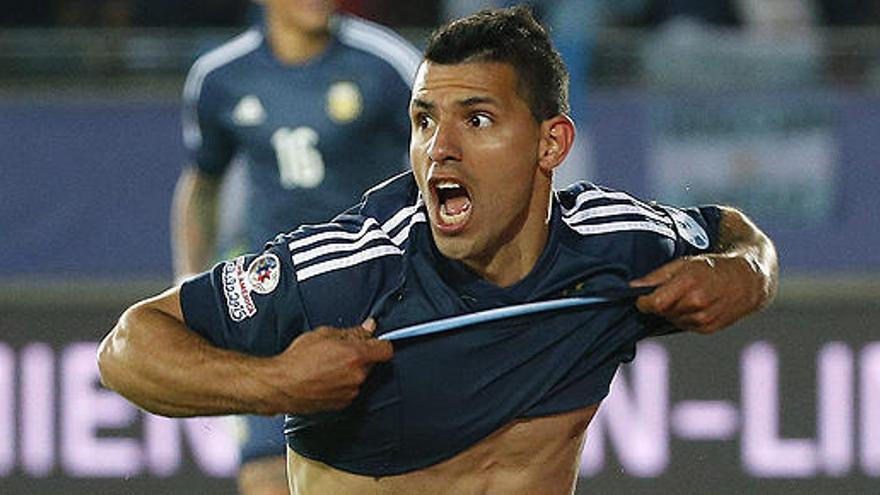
{"x":194,"y":223}
{"x":708,"y":292}
{"x":154,"y":361}
{"x":743,"y":242}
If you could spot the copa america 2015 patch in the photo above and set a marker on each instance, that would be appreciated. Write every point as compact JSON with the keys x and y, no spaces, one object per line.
{"x":237,"y":291}
{"x":689,"y":229}
{"x":264,"y":273}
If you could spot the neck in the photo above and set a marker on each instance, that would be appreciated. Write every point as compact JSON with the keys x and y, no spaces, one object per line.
{"x":517,"y":251}
{"x":292,"y":45}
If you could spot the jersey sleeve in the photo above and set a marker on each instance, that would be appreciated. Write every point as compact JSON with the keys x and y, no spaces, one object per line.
{"x":696,"y":229}
{"x":209,"y":145}
{"x":250,"y":304}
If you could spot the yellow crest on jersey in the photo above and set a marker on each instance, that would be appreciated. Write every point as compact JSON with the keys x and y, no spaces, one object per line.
{"x":344,"y":102}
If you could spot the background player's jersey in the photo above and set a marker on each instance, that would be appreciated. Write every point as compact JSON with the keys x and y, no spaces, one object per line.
{"x":441,"y":394}
{"x":315,"y":135}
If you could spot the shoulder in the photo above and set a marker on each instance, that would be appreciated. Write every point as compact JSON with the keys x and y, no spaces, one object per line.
{"x":212,"y":63}
{"x":388,"y":197}
{"x":381,"y":43}
{"x":616,"y":225}
{"x":590,"y":209}
{"x":377,"y":228}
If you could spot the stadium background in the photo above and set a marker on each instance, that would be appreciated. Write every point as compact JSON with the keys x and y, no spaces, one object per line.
{"x":783,"y":124}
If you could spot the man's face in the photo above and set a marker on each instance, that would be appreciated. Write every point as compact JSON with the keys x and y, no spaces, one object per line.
{"x":474,"y":151}
{"x":310,"y":16}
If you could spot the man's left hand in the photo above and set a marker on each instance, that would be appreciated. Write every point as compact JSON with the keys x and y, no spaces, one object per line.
{"x":703,"y":293}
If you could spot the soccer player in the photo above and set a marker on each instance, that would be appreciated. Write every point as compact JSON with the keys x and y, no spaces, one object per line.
{"x":497,"y":407}
{"x":316,"y":105}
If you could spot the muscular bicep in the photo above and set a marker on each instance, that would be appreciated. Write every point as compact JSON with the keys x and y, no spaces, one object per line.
{"x":167,"y":303}
{"x":736,"y":229}
{"x":739,"y":237}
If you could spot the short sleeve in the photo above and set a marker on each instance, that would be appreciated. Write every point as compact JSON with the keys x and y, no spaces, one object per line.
{"x":209,"y":145}
{"x":696,"y":232}
{"x":250,"y":304}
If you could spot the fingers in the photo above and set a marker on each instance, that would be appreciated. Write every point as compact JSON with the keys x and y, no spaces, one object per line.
{"x":325,"y":369}
{"x":659,"y":276}
{"x":688,"y":294}
{"x":369,"y":349}
{"x":377,"y":351}
{"x":692,"y":302}
{"x":363,"y":331}
{"x":665,"y":297}
{"x":369,"y":325}
{"x":705,"y":322}
{"x":374,"y":350}
{"x":676,"y":300}
{"x":667,"y":292}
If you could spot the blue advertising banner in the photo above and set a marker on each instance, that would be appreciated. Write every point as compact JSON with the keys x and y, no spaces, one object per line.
{"x":86,"y":188}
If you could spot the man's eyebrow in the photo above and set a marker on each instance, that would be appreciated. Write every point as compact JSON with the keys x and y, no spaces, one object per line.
{"x":424,"y":105}
{"x":467,"y":102}
{"x":477,"y":100}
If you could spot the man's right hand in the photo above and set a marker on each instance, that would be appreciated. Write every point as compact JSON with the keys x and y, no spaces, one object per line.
{"x":322,"y":370}
{"x":153,"y":360}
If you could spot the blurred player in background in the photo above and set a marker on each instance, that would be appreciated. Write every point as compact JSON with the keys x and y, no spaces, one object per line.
{"x":315,"y":104}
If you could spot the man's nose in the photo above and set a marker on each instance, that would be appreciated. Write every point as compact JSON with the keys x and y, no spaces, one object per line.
{"x":444,"y":145}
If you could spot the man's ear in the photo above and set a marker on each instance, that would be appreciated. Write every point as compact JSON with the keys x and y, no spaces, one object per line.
{"x":557,"y":138}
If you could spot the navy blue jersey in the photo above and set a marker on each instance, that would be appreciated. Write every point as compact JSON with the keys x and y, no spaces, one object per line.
{"x":441,"y":394}
{"x":314,"y":136}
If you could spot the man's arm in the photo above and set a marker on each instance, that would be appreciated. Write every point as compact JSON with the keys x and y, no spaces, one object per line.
{"x":152,"y":359}
{"x":194,"y":222}
{"x":709,"y":292}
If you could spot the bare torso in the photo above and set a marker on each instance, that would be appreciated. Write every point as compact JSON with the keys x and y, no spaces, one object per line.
{"x":536,"y":455}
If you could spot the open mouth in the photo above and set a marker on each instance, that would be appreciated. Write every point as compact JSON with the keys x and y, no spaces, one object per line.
{"x":454,"y":204}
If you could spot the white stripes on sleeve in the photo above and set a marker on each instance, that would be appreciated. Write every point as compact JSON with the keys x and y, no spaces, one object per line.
{"x":596,"y":212}
{"x":333,"y":248}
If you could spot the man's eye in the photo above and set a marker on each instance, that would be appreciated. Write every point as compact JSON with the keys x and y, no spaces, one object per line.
{"x":423,"y":121}
{"x":480,"y":120}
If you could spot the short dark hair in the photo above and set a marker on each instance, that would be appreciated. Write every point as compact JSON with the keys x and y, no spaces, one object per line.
{"x":513,"y":36}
